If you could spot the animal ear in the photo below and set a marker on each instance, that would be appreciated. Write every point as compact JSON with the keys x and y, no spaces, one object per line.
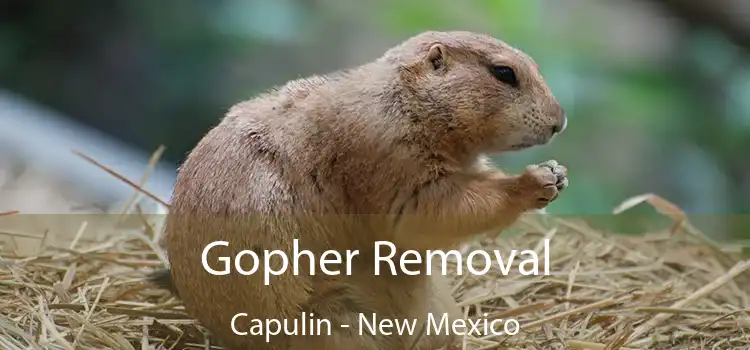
{"x":436,"y":56}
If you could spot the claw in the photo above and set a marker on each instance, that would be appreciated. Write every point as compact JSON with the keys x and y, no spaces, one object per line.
{"x":551,"y":163}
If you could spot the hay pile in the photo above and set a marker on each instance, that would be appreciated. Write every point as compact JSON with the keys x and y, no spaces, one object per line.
{"x":661,"y":291}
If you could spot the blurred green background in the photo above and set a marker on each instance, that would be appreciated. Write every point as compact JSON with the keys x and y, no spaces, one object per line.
{"x":657,"y":92}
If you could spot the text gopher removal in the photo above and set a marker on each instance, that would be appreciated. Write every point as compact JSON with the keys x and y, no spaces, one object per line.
{"x":331,"y":262}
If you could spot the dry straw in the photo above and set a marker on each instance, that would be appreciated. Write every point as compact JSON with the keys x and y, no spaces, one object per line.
{"x":662,"y":290}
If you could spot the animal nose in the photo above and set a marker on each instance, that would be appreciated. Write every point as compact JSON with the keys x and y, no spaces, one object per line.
{"x":560,"y":126}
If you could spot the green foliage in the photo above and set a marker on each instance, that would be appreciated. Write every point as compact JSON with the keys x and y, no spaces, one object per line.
{"x":400,"y":17}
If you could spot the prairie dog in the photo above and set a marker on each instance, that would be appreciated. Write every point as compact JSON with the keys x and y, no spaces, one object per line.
{"x":396,"y":150}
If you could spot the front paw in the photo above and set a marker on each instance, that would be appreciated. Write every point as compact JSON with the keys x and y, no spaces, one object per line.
{"x":542,"y":183}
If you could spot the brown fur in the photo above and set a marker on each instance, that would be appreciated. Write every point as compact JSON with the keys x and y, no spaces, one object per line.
{"x":391,"y":150}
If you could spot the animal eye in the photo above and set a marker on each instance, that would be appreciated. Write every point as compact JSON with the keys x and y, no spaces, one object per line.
{"x":505,"y":74}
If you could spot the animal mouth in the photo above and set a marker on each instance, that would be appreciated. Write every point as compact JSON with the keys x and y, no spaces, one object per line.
{"x":529,"y":142}
{"x":520,"y":146}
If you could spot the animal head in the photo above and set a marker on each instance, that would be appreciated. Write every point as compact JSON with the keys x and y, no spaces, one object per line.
{"x":478,"y":90}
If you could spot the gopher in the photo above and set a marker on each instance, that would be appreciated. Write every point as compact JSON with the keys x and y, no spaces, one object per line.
{"x":393,"y":150}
